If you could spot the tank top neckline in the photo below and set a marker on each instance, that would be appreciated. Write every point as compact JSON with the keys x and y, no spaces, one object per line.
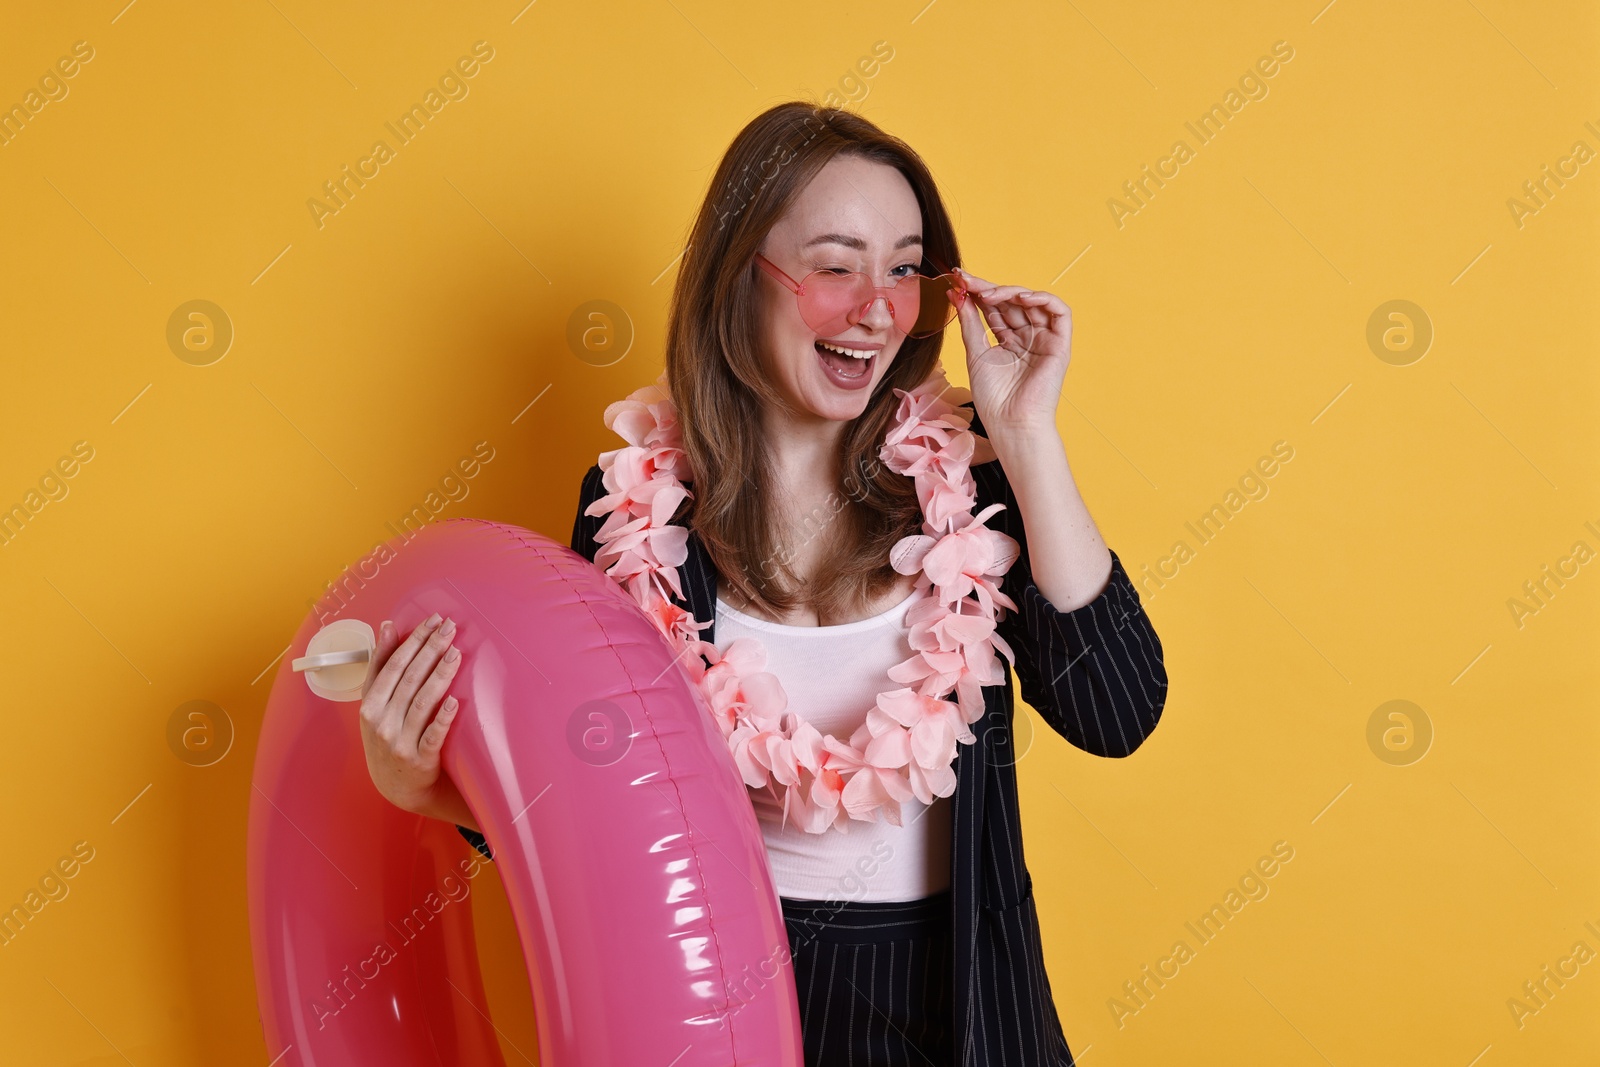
{"x":751,"y":621}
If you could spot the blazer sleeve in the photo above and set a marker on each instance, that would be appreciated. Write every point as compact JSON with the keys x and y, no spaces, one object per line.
{"x":1095,"y":674}
{"x":584,"y":527}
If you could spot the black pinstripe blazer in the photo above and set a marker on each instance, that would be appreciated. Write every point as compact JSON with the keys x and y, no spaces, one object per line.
{"x":1096,"y":676}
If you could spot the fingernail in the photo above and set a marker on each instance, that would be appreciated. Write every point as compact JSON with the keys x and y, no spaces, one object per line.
{"x":432,"y":620}
{"x":450,"y":656}
{"x":448,"y":628}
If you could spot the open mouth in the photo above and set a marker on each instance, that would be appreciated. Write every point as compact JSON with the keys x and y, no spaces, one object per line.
{"x":845,"y":366}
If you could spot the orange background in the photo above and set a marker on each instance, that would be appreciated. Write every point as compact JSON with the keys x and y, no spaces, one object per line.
{"x":1244,"y":303}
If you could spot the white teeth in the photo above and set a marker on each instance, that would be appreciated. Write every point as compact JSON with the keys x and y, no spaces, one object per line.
{"x":851,"y":352}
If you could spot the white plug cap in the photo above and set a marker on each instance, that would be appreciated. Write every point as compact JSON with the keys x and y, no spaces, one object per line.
{"x":338,"y":659}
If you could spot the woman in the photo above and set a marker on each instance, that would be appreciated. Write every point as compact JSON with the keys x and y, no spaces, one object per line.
{"x":913,"y":933}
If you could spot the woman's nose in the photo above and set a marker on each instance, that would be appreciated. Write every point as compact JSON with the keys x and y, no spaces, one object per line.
{"x":879,"y":314}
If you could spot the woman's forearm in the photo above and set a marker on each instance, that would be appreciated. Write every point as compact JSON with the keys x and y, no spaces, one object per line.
{"x":1070,"y":561}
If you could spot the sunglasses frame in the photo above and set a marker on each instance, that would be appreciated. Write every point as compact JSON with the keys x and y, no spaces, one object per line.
{"x":886,"y":292}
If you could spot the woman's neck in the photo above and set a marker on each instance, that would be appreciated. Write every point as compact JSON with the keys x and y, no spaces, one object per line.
{"x":805,"y":452}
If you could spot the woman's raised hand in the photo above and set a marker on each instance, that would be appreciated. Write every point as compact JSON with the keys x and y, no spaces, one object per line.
{"x":1016,"y":382}
{"x":405,"y":713}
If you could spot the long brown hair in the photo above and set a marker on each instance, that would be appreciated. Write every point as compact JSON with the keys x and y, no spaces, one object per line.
{"x":718,"y":383}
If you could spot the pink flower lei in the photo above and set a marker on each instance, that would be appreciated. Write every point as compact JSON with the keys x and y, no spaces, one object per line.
{"x":907,"y":744}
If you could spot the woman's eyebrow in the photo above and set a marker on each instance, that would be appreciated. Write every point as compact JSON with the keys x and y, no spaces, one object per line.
{"x":850,"y":241}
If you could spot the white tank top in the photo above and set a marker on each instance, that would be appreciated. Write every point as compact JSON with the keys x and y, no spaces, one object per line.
{"x":832,"y":676}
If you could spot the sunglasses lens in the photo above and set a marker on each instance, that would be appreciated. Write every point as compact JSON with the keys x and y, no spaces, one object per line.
{"x":832,"y":303}
{"x":934,"y":310}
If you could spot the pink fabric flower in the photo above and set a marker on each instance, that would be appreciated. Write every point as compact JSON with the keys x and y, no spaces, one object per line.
{"x":934,"y":724}
{"x":876,"y":782}
{"x":815,"y":803}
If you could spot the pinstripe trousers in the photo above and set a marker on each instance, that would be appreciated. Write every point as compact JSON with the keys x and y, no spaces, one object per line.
{"x":874,"y":980}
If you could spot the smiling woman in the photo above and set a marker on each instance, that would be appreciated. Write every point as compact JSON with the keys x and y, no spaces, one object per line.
{"x":855,"y":669}
{"x":860,"y":672}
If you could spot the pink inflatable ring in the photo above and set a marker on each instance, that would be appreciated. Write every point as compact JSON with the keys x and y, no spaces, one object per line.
{"x":620,"y":827}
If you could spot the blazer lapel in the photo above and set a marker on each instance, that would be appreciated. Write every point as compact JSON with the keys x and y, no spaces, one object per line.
{"x":699,"y":579}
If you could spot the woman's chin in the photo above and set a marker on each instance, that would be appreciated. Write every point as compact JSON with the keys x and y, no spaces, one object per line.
{"x":840,"y":405}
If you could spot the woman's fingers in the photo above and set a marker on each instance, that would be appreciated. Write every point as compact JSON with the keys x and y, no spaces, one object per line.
{"x":993,"y":296}
{"x":973,"y":336}
{"x":1012,"y":312}
{"x":973,"y":281}
{"x":390,"y":662}
{"x":1008,"y":306}
{"x":1050,"y":302}
{"x":421,"y":665}
{"x":1001,"y":293}
{"x":388,"y":641}
{"x":433,"y":690}
{"x":433,"y":737}
{"x":381,"y":692}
